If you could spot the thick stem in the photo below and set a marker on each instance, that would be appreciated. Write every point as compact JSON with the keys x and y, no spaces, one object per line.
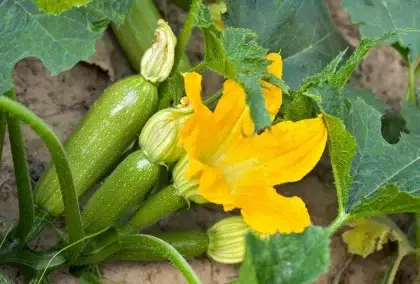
{"x":185,"y":34}
{"x":393,"y":272}
{"x":411,"y":96}
{"x":2,"y":131}
{"x":71,"y":203}
{"x":23,"y":182}
{"x":156,"y":207}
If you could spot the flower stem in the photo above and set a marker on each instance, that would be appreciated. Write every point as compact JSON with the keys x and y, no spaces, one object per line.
{"x":156,"y":207}
{"x":23,"y":182}
{"x":71,"y":203}
{"x":185,"y":34}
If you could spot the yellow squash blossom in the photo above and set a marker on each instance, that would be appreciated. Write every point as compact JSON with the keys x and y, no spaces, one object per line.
{"x":237,"y":168}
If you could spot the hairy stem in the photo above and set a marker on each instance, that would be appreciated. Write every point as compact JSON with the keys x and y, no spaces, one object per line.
{"x":185,"y":34}
{"x":71,"y":203}
{"x":23,"y":182}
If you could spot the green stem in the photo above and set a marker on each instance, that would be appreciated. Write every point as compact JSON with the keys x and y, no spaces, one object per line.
{"x":2,"y":131}
{"x":411,"y":96}
{"x":199,"y":68}
{"x":23,"y":182}
{"x":136,"y":34}
{"x":156,"y":207}
{"x":394,"y":269}
{"x":172,"y":255}
{"x":71,"y":203}
{"x":185,"y":34}
{"x":339,"y":221}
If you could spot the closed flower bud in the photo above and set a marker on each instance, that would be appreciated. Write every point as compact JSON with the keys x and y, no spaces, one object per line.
{"x":157,"y":61}
{"x":185,"y":187}
{"x":227,"y":240}
{"x":160,"y":137}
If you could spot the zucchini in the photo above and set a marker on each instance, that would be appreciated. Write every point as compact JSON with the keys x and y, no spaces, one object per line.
{"x":129,"y":183}
{"x":100,"y":139}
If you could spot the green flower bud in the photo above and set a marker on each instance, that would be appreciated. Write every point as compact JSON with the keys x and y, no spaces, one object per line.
{"x":227,"y":240}
{"x":185,"y":187}
{"x":160,"y":137}
{"x":157,"y":61}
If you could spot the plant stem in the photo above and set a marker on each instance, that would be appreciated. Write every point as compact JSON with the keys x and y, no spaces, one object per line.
{"x":394,"y":269}
{"x":199,"y":68}
{"x":338,"y":222}
{"x":71,"y":203}
{"x":23,"y":181}
{"x":2,"y":131}
{"x":173,"y":256}
{"x":411,"y":96}
{"x":185,"y":34}
{"x":156,"y":207}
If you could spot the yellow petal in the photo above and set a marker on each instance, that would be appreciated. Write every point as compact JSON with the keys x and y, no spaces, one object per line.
{"x":194,"y":169}
{"x":268,"y":212}
{"x":284,"y":153}
{"x":213,"y":187}
{"x":207,"y":135}
{"x":276,"y":67}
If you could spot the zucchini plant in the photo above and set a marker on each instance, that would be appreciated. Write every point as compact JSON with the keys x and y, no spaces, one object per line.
{"x":286,"y":98}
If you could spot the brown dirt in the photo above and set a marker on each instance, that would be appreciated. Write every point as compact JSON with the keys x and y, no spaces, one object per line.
{"x":62,"y":101}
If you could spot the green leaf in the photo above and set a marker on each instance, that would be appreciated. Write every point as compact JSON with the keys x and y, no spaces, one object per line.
{"x":291,"y":258}
{"x":341,"y":148}
{"x":411,"y":114}
{"x":385,"y":176}
{"x":89,"y":278}
{"x":352,"y":92}
{"x":377,"y":18}
{"x":389,"y":199}
{"x":301,"y":29}
{"x":393,"y":124}
{"x":235,"y":54}
{"x":301,"y":107}
{"x":59,"y":41}
{"x":58,"y":6}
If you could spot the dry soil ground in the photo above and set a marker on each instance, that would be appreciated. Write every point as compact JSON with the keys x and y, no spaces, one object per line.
{"x":62,"y":101}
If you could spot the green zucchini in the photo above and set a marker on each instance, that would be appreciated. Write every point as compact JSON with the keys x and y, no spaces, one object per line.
{"x":137,"y":247}
{"x":137,"y":32}
{"x":129,"y":183}
{"x":188,"y":244}
{"x":157,"y":206}
{"x":100,"y":139}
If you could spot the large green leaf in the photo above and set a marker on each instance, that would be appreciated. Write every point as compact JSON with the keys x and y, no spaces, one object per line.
{"x":59,"y":41}
{"x":341,"y":148}
{"x":386,"y":177}
{"x":377,"y":18}
{"x":301,"y":29}
{"x":58,"y":6}
{"x":235,"y":54}
{"x":291,"y":259}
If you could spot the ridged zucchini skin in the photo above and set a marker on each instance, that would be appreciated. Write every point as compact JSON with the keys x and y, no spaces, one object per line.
{"x":129,"y":183}
{"x":189,"y":244}
{"x":113,"y":122}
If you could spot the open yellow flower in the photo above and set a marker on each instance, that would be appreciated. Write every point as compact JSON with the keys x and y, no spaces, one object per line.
{"x":237,"y":168}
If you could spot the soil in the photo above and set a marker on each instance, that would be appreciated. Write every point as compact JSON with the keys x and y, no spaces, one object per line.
{"x":63,"y":100}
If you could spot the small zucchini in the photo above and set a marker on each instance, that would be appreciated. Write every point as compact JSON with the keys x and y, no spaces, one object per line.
{"x":129,"y":183}
{"x":100,"y":139}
